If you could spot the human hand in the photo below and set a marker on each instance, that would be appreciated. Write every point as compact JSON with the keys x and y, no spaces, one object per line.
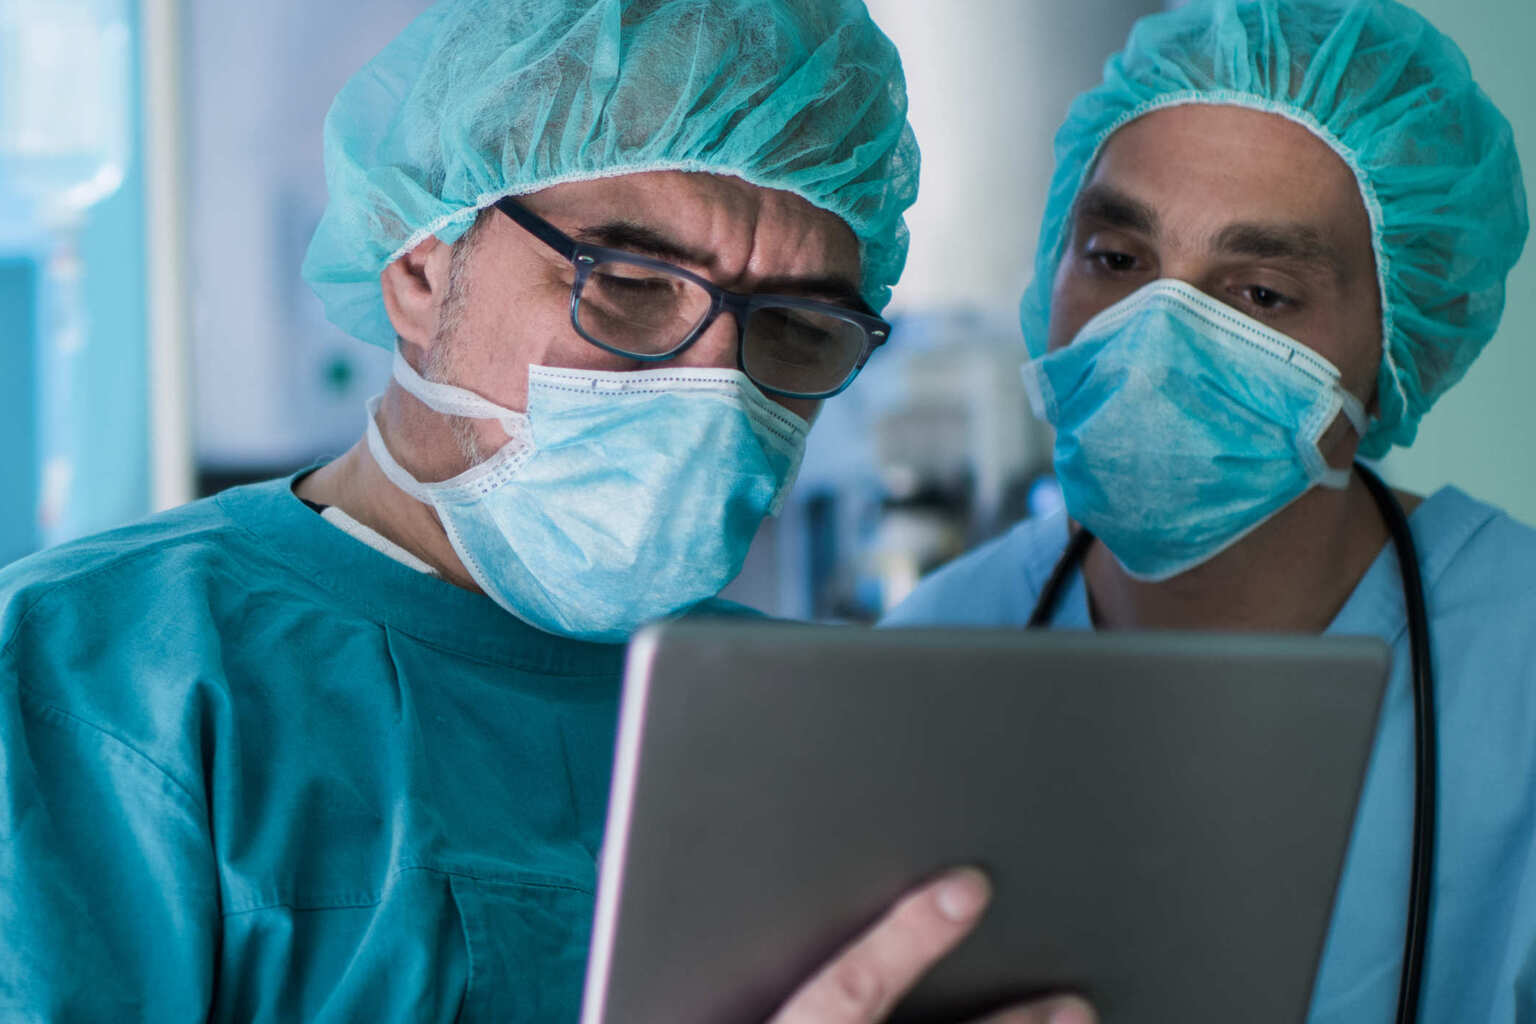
{"x":864,"y":982}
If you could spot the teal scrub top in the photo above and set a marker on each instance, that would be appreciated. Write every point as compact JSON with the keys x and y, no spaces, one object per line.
{"x":253,"y":770}
{"x":1479,"y":569}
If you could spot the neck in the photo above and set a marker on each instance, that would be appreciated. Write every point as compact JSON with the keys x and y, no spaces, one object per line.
{"x":355,"y":484}
{"x":1292,"y":574}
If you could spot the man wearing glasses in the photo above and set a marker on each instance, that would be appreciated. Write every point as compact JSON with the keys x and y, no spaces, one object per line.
{"x":607,"y":424}
{"x":336,"y":748}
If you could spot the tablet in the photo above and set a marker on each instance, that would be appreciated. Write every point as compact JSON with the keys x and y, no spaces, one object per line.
{"x":1164,"y":816}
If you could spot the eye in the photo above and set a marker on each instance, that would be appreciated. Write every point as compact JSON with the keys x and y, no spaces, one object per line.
{"x":1266,"y":298}
{"x":656,"y":286}
{"x":1114,"y":262}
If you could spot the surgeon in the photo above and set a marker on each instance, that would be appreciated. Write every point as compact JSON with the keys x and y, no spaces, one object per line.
{"x":1278,"y":231}
{"x":335,"y":748}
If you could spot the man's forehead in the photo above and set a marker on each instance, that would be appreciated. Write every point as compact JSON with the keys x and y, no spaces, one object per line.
{"x":707,"y":222}
{"x":687,"y":202}
{"x":1229,"y":178}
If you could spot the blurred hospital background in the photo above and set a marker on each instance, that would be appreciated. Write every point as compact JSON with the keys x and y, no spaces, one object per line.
{"x":160,"y":175}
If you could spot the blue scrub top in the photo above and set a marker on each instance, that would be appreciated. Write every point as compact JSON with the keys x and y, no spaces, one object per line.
{"x":253,"y":770}
{"x":1479,"y":570}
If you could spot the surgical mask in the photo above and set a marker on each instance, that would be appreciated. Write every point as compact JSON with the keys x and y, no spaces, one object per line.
{"x":619,"y":498}
{"x":1182,"y":425}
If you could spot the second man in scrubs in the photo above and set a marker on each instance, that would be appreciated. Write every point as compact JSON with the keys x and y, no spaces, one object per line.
{"x":1278,"y":231}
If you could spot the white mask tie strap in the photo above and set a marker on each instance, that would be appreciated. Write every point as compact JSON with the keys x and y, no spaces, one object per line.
{"x":381,"y":455}
{"x":454,"y":401}
{"x":1338,"y":478}
{"x":1354,"y":412}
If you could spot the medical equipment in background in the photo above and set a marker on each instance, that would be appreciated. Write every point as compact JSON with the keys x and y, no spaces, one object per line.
{"x":65,"y":90}
{"x":956,"y":452}
{"x":933,"y":450}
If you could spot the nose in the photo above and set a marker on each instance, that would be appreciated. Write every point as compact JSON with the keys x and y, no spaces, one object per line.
{"x":715,"y":348}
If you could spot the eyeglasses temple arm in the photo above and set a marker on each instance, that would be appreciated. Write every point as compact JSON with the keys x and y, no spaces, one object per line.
{"x":538,"y":227}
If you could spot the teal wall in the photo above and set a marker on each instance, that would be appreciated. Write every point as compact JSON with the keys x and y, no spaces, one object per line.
{"x":1482,"y":435}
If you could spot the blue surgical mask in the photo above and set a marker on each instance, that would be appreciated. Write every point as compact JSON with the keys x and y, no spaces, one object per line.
{"x":1182,"y":425}
{"x":619,"y":498}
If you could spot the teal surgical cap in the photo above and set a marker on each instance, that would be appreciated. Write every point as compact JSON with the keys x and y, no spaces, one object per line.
{"x":1435,"y":161}
{"x":481,"y":99}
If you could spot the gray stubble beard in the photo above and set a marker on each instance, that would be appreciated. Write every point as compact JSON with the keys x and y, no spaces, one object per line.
{"x":463,"y":428}
{"x":439,"y":367}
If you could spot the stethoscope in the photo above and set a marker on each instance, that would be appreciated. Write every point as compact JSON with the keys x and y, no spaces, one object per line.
{"x":1423,"y":721}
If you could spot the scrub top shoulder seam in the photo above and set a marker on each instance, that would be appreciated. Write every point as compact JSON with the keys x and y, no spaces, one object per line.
{"x":41,"y":708}
{"x":1449,"y":556}
{"x":114,"y":563}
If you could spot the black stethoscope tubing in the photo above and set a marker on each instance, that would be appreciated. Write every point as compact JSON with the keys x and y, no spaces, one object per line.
{"x":1421,"y":872}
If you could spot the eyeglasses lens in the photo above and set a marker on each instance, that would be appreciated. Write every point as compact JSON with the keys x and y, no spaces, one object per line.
{"x":800,"y":350}
{"x":646,"y":311}
{"x":639,"y":309}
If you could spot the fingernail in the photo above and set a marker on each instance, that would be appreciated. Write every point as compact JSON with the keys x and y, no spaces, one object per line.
{"x":1072,"y":1011}
{"x":961,"y":896}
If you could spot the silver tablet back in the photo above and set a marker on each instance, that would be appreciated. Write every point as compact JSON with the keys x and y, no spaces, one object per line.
{"x":1164,"y":816}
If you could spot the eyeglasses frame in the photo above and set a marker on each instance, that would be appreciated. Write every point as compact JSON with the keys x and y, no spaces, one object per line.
{"x":585,"y":257}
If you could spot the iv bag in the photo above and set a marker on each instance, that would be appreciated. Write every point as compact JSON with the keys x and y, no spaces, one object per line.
{"x":65,"y":95}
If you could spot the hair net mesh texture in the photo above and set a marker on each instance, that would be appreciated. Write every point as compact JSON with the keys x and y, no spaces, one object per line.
{"x":480,"y":99}
{"x":1395,"y":99}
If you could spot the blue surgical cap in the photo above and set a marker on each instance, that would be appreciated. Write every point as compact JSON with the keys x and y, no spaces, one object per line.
{"x":1394,"y":98}
{"x":481,"y":99}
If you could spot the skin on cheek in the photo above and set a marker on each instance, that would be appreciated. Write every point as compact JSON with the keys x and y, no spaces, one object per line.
{"x":1069,"y":308}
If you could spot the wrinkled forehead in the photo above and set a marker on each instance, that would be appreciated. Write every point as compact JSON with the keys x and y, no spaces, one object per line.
{"x":719,"y":223}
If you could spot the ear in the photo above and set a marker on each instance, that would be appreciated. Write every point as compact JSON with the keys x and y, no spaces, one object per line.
{"x":414,"y":288}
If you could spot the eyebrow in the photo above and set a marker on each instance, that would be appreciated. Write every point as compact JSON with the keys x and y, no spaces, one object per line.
{"x":644,"y":241}
{"x":1297,"y":243}
{"x":1113,"y":207}
{"x":832,"y":287}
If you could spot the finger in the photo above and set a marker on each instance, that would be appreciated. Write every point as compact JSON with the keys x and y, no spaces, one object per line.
{"x":868,"y":977}
{"x":1057,"y":1010}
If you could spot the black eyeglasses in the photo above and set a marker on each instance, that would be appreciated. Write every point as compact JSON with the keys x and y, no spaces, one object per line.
{"x":651,"y":310}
